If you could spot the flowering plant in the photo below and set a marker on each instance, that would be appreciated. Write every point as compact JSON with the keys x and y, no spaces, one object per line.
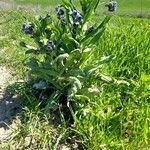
{"x":64,"y":44}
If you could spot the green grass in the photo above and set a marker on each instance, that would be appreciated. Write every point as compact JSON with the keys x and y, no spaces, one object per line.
{"x":134,"y":6}
{"x":130,"y":7}
{"x":41,"y":2}
{"x":117,"y":117}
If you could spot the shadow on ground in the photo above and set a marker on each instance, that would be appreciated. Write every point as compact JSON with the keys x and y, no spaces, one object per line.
{"x":10,"y":106}
{"x":10,"y":103}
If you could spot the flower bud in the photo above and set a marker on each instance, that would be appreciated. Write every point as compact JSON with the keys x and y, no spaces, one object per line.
{"x":63,"y":21}
{"x":74,"y":28}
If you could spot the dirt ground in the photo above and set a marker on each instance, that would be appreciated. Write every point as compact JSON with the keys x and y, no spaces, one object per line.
{"x":4,"y":5}
{"x":10,"y":5}
{"x":10,"y":104}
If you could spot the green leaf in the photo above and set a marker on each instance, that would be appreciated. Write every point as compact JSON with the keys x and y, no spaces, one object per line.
{"x":123,"y":82}
{"x":67,"y":3}
{"x":101,"y":26}
{"x":74,"y":56}
{"x":91,"y":69}
{"x":90,"y":9}
{"x":41,"y":85}
{"x":97,"y":37}
{"x":47,"y":71}
{"x":23,"y":44}
{"x":82,"y":98}
{"x":85,"y":56}
{"x":75,"y":81}
{"x":106,"y":78}
{"x":145,"y":78}
{"x":61,"y":57}
{"x":106,"y":59}
{"x":31,"y":51}
{"x":70,"y":43}
{"x":33,"y":63}
{"x":87,"y":50}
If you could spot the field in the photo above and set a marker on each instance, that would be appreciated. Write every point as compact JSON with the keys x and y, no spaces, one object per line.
{"x":130,"y":7}
{"x":117,"y":117}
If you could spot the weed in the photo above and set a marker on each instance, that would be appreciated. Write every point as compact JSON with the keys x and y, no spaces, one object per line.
{"x":117,"y":115}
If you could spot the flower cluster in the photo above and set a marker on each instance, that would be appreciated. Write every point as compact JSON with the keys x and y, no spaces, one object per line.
{"x":28,"y":28}
{"x":60,"y":14}
{"x":76,"y":15}
{"x":70,"y":19}
{"x":112,"y":6}
{"x":77,"y":19}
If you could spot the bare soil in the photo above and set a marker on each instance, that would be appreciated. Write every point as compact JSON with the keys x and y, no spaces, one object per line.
{"x":7,"y":5}
{"x":10,"y":5}
{"x":10,"y":105}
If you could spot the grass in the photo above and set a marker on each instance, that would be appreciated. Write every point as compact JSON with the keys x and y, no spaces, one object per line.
{"x":130,"y":7}
{"x":117,"y":117}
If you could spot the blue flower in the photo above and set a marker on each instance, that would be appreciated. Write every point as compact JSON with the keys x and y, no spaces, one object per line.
{"x":60,"y":12}
{"x":28,"y":28}
{"x":112,"y":6}
{"x":76,"y":15}
{"x":24,"y":27}
{"x":50,"y":45}
{"x":79,"y":18}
